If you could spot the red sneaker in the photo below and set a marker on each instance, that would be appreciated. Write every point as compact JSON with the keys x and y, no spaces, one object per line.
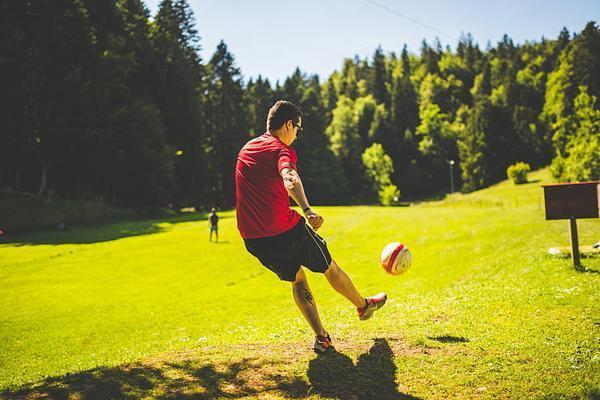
{"x":373,"y":303}
{"x":322,"y":344}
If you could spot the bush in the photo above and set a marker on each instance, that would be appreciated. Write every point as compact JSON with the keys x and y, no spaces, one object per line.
{"x":379,"y":168}
{"x":518,"y":172}
{"x":389,"y":195}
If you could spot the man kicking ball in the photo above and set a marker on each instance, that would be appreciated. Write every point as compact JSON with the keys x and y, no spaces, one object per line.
{"x":278,"y":236}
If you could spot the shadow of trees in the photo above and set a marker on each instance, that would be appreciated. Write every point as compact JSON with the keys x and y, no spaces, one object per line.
{"x":100,"y":232}
{"x":188,"y":379}
{"x":331,"y":375}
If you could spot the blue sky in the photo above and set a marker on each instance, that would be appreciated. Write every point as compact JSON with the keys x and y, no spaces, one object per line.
{"x":272,"y":38}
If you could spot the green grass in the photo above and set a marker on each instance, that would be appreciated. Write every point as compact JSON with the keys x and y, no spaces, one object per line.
{"x":151,"y":309}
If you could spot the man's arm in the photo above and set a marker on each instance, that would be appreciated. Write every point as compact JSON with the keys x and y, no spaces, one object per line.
{"x":293,"y":185}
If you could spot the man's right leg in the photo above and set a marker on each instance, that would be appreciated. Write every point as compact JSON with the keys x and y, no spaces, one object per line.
{"x":342,"y":283}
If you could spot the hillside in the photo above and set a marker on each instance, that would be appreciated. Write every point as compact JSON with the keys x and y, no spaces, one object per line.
{"x":151,"y":309}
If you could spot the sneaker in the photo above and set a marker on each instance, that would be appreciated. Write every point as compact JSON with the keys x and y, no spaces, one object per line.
{"x":322,"y":344}
{"x":373,"y":303}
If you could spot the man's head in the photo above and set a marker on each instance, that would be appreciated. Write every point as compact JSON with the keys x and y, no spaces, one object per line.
{"x":212,"y":210}
{"x":284,"y":121}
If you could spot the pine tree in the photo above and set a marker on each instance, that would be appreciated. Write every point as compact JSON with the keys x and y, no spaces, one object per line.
{"x":579,"y":66}
{"x":379,"y":79}
{"x":364,"y":117}
{"x":430,"y":58}
{"x":259,"y":97}
{"x":404,"y":120}
{"x":320,"y":171}
{"x":128,"y":161}
{"x":486,"y":147}
{"x":179,"y":93}
{"x":46,"y":65}
{"x":404,"y":106}
{"x":473,"y":145}
{"x":533,"y":143}
{"x":136,"y":20}
{"x":580,"y":160}
{"x":227,"y":124}
{"x":346,"y":144}
{"x":330,"y":96}
{"x":318,"y":167}
{"x":348,"y":80}
{"x":471,"y":56}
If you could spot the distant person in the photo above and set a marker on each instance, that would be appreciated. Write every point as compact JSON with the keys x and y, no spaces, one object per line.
{"x":213,"y":224}
{"x":266,"y":176}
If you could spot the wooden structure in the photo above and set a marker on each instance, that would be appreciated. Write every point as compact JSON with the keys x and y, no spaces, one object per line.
{"x":572,"y":201}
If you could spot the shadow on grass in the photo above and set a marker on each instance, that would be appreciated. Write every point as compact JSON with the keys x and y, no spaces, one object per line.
{"x":334,"y":375}
{"x":186,"y":379}
{"x":582,"y":268}
{"x":449,"y":339}
{"x":533,"y":181}
{"x":331,"y":375}
{"x":101,"y":232}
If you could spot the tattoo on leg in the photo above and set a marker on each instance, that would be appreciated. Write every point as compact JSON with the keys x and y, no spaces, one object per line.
{"x":308,"y":296}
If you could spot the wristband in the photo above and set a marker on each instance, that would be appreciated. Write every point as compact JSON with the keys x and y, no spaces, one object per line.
{"x":305,"y":209}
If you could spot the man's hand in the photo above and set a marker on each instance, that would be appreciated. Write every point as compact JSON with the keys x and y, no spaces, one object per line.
{"x":314,"y":219}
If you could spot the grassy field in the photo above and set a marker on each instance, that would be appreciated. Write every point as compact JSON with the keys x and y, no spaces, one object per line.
{"x":151,"y":309}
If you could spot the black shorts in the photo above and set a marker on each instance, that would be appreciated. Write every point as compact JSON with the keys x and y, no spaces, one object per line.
{"x":285,"y":253}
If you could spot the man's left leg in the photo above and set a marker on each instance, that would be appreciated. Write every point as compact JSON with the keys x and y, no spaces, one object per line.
{"x":306,"y":303}
{"x":308,"y":307}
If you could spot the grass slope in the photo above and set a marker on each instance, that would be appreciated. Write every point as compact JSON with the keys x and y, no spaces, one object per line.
{"x":151,"y":309}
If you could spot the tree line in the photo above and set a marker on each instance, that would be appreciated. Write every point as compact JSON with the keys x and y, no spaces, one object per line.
{"x":103,"y":100}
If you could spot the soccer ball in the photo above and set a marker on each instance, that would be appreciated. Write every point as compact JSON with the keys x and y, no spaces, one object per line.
{"x":396,"y":258}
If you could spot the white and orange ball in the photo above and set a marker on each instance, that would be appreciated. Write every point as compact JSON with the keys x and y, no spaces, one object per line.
{"x":396,"y":258}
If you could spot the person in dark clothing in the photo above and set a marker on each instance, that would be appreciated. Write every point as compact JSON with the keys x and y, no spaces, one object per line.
{"x":213,"y":224}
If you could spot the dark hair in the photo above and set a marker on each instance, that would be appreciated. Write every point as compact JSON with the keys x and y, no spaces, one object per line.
{"x":281,"y":112}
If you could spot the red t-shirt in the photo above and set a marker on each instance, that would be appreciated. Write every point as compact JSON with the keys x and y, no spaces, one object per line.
{"x":262,"y":202}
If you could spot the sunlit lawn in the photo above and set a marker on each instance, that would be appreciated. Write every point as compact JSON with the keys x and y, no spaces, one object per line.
{"x":484,"y":311}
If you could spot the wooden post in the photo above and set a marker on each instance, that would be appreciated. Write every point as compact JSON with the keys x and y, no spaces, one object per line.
{"x":574,"y":242}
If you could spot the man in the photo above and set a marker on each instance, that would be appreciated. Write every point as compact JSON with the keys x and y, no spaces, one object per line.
{"x":266,"y":176}
{"x":213,"y":222}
